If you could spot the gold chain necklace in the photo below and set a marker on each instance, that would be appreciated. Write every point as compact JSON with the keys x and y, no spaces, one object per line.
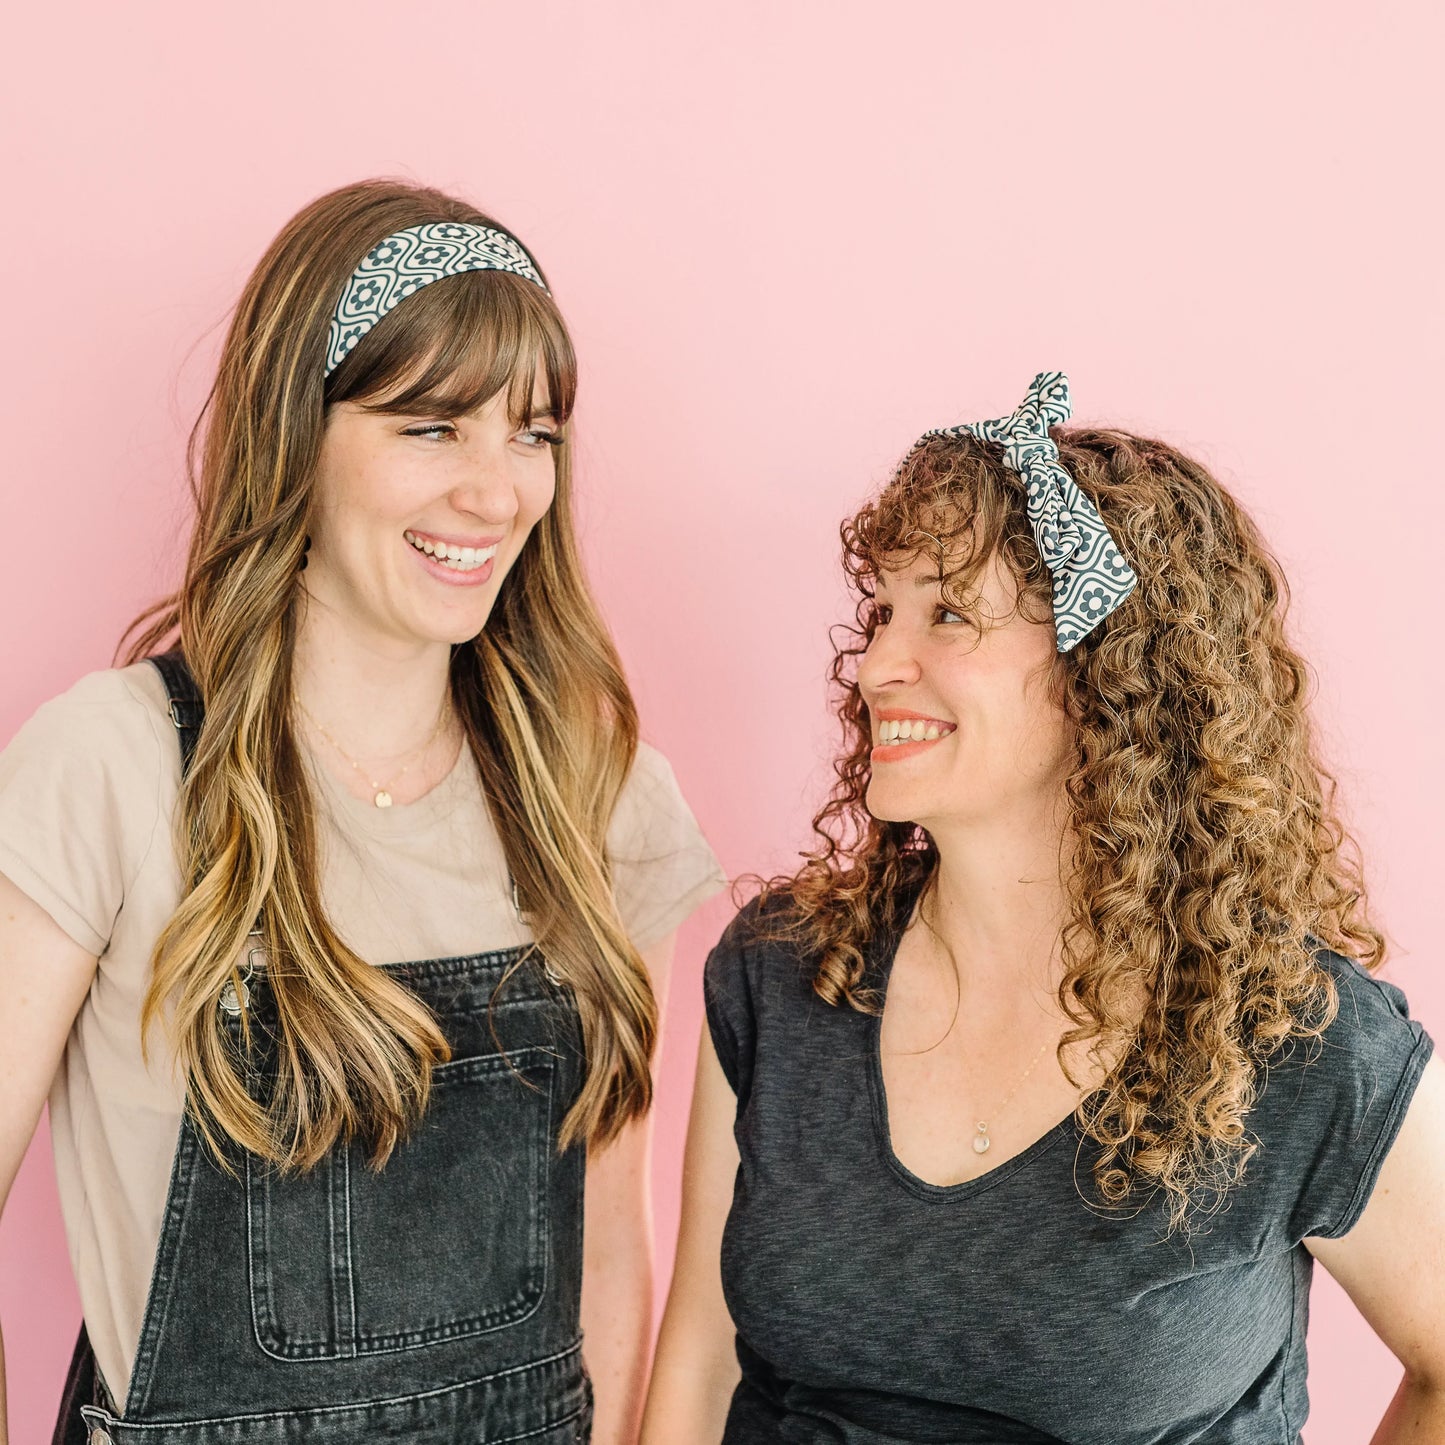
{"x":381,"y":792}
{"x":981,"y":1141}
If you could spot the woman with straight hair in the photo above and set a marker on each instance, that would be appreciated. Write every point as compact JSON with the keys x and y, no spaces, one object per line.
{"x":334,"y":923}
{"x":1026,"y":1107}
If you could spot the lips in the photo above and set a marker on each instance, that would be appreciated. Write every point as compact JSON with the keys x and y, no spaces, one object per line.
{"x":458,"y":557}
{"x":455,"y":564}
{"x":901,"y":735}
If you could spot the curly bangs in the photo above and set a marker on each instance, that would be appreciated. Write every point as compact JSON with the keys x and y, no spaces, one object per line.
{"x":955,"y":502}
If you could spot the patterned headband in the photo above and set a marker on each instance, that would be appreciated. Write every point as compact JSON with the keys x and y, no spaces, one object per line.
{"x":403,"y":263}
{"x":1090,"y":578}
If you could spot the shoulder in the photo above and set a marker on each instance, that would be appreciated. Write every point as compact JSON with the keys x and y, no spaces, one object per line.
{"x":1330,"y":1106}
{"x":662,"y":866}
{"x":1370,"y":1033}
{"x":738,"y":990}
{"x":1370,"y":1052}
{"x":648,"y":805}
{"x":112,"y":719}
{"x":759,"y":943}
{"x":1366,"y":999}
{"x":1372,"y":1024}
{"x":86,"y":787}
{"x":766,"y":921}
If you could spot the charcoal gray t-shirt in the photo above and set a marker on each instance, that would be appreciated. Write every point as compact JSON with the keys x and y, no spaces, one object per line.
{"x":874,"y":1308}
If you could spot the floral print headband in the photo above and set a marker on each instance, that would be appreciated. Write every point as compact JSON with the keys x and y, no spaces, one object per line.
{"x":406,"y":261}
{"x":1090,"y":577}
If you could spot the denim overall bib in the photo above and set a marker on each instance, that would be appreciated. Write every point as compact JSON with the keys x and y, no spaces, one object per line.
{"x":434,"y":1301}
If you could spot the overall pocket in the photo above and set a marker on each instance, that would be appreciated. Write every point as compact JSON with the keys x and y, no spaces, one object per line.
{"x":449,"y":1239}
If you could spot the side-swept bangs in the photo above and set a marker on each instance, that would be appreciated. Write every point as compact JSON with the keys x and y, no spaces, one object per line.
{"x":455,"y":344}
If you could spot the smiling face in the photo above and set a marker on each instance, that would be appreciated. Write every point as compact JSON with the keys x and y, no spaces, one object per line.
{"x":965,"y":730}
{"x":417,"y":519}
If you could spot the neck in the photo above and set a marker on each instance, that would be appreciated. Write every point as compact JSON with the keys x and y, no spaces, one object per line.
{"x":377,"y":696}
{"x":999,"y":899}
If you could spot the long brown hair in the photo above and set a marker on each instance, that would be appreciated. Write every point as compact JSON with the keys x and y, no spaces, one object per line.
{"x":1211,"y":861}
{"x":545,"y":707}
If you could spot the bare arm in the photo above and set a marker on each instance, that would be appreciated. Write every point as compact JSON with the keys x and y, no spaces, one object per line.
{"x":617,"y":1261}
{"x":1392,"y":1265}
{"x":696,"y":1369}
{"x":44,"y":978}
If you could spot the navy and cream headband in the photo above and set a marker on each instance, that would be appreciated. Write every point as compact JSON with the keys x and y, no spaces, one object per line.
{"x":406,"y":261}
{"x":1090,"y":577}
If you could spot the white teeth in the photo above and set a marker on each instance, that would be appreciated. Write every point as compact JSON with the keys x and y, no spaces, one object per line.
{"x":911,"y":730}
{"x":458,"y":559}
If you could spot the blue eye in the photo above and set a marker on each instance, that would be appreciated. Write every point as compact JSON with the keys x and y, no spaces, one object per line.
{"x":433,"y":429}
{"x":536,"y":438}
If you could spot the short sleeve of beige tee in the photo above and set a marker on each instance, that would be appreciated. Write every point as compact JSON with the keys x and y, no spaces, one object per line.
{"x":87,"y":791}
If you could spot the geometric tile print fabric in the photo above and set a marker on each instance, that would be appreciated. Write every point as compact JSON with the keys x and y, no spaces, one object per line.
{"x":1090,"y":577}
{"x":406,"y":261}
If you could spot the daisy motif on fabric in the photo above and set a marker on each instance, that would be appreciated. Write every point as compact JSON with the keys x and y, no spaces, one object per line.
{"x":402,"y":263}
{"x":1090,"y":576}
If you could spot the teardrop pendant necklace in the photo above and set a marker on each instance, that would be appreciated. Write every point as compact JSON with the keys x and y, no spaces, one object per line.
{"x":982,"y":1143}
{"x":381,"y":791}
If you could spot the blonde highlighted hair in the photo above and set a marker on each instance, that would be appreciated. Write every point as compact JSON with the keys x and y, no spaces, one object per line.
{"x":1211,"y":862}
{"x":540,"y":692}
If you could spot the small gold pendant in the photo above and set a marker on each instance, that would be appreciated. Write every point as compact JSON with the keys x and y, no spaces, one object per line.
{"x":981,"y":1140}
{"x":382,"y":799}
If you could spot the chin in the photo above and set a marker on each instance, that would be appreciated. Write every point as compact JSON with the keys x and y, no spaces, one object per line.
{"x":892,"y":804}
{"x":458,"y":627}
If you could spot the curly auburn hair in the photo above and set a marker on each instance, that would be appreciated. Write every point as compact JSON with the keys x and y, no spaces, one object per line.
{"x":1210,"y":863}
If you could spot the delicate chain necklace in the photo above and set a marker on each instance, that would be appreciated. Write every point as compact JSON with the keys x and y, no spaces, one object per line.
{"x":981,"y":1141}
{"x":381,"y":791}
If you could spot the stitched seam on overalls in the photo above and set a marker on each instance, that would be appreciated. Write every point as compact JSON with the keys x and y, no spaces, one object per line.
{"x":348,"y":1262}
{"x":275,"y":1341}
{"x":322,"y":1410}
{"x":163,"y":1277}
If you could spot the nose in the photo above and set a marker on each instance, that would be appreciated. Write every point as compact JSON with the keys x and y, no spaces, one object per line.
{"x":486,"y":485}
{"x":890,"y":661}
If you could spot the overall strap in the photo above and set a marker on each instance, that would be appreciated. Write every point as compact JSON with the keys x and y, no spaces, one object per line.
{"x":186,"y":706}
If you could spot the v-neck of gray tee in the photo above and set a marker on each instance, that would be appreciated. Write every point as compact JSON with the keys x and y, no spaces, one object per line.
{"x":874,"y":1308}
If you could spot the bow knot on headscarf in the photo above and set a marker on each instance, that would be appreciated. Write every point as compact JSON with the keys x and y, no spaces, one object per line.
{"x":1090,"y":577}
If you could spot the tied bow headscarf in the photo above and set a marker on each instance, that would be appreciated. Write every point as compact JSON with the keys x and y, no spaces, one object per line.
{"x":1090,"y":577}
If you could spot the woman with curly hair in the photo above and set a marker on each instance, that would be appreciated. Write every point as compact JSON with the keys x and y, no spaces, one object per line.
{"x":1082,"y":864}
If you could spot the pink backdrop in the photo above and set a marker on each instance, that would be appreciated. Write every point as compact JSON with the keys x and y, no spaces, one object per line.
{"x":789,"y":237}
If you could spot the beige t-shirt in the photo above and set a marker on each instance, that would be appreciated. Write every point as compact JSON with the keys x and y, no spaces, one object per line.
{"x":87,"y":791}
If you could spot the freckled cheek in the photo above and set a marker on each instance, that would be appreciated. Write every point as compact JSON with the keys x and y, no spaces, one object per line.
{"x":534,"y":499}
{"x":373,"y":496}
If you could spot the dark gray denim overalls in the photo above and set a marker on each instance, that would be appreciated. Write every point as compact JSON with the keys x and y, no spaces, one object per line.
{"x":433,"y":1302}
